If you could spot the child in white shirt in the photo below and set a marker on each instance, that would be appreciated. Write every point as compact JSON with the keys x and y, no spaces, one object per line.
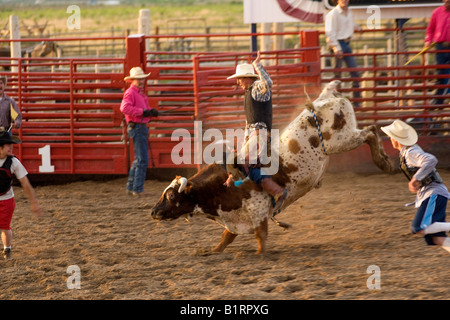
{"x":9,"y":166}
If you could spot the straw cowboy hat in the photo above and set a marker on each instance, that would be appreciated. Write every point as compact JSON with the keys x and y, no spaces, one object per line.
{"x":136,"y":73}
{"x":401,"y":132}
{"x":244,"y":70}
{"x":7,"y":138}
{"x":4,"y":79}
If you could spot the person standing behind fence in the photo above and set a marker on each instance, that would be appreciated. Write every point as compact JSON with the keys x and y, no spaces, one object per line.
{"x":138,"y":113}
{"x":339,"y":29}
{"x":438,"y":32}
{"x":10,"y":115}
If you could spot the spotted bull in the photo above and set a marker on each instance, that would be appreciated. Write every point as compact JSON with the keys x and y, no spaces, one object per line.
{"x":326,"y":126}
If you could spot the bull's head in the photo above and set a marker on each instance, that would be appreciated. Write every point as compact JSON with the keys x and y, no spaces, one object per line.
{"x":175,"y":201}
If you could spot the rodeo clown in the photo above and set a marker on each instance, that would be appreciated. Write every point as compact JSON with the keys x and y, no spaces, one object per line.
{"x":258,"y":113}
{"x":9,"y":166}
{"x":424,"y":180}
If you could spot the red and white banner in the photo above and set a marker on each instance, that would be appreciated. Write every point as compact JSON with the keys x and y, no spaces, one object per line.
{"x":305,"y":10}
{"x":266,"y":11}
{"x":273,"y":11}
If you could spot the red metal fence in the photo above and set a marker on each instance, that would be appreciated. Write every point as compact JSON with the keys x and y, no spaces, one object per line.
{"x":71,"y":118}
{"x":391,"y":92}
{"x":73,"y":125}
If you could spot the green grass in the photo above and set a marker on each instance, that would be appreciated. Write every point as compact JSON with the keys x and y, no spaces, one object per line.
{"x":125,"y":16}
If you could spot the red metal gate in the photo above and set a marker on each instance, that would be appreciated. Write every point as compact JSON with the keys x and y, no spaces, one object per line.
{"x":71,"y":118}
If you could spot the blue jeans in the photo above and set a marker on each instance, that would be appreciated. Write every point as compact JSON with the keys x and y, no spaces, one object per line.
{"x":350,"y":62}
{"x":431,"y":210}
{"x":138,"y":171}
{"x":442,"y":58}
{"x":256,"y":175}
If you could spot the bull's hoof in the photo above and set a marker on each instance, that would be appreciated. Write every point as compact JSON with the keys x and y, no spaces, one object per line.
{"x":204,"y":252}
{"x":284,"y":225}
{"x":279,"y":201}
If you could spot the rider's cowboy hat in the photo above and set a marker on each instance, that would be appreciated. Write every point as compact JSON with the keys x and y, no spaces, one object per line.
{"x":401,"y":132}
{"x":136,"y":73}
{"x":244,"y":70}
{"x":7,"y":138}
{"x":4,"y":79}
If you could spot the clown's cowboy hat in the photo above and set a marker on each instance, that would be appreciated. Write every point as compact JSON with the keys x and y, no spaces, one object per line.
{"x":136,"y":73}
{"x":7,"y":138}
{"x":401,"y":132}
{"x":244,"y":70}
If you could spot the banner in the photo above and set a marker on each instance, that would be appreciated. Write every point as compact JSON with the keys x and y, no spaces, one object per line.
{"x":313,"y":11}
{"x":305,"y":10}
{"x":268,"y":11}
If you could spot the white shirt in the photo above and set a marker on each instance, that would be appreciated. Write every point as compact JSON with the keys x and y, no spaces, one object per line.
{"x":18,"y":170}
{"x":338,"y":26}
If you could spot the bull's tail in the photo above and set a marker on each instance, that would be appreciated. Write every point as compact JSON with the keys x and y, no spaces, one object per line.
{"x":307,"y":95}
{"x":309,"y":103}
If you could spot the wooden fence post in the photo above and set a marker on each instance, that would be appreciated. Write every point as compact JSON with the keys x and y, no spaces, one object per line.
{"x":266,"y":43}
{"x":279,"y":39}
{"x":144,"y":26}
{"x":14,"y":34}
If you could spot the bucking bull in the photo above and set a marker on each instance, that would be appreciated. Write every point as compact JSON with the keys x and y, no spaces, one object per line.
{"x":326,"y":126}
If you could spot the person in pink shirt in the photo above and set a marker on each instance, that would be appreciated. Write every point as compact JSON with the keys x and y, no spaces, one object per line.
{"x":438,"y":31}
{"x":138,"y":113}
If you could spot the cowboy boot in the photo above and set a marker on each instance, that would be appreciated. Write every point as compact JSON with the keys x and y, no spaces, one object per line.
{"x":276,"y":191}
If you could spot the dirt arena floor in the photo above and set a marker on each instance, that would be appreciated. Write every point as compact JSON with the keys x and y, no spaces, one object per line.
{"x":351,"y":225}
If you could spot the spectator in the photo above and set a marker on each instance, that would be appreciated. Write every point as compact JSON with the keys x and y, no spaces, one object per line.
{"x":438,"y":32}
{"x":339,"y":29}
{"x":10,"y":115}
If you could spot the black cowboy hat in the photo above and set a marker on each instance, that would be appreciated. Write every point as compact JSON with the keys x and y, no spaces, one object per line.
{"x":7,"y":138}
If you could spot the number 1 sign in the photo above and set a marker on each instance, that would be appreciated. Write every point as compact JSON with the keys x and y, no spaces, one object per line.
{"x":46,"y":161}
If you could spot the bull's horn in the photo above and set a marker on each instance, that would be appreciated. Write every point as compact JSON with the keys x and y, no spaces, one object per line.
{"x":171,"y":185}
{"x":183,"y":182}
